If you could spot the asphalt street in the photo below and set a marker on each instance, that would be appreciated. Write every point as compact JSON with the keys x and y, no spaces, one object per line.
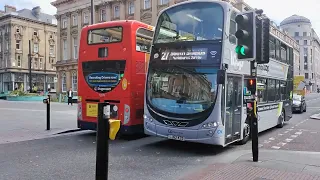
{"x":72,"y":156}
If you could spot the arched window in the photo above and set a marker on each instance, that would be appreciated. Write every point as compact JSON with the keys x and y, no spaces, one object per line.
{"x":64,"y":82}
{"x":74,"y":79}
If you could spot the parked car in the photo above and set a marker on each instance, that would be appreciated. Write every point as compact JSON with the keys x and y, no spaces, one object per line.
{"x":299,"y":103}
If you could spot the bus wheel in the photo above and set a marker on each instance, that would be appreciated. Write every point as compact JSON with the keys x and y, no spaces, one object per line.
{"x":246,"y":134}
{"x":281,"y":119}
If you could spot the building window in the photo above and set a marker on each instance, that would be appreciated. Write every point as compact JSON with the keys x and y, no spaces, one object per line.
{"x":51,"y":63}
{"x":85,"y":18}
{"x":7,"y":45}
{"x":284,"y":57}
{"x":103,"y":15}
{"x":306,"y":75}
{"x":147,"y":4}
{"x":18,"y":30}
{"x":64,"y":23}
{"x":296,"y":34}
{"x":35,"y":33}
{"x":144,"y":40}
{"x":64,"y":82}
{"x":164,"y":2}
{"x":35,"y":48}
{"x":75,"y":48}
{"x":40,"y":63}
{"x":233,"y":28}
{"x":131,"y":7}
{"x":18,"y":44}
{"x":304,"y":33}
{"x":116,"y":12}
{"x":19,"y":60}
{"x":297,"y":41}
{"x":36,"y":63}
{"x":74,"y":79}
{"x":305,"y":42}
{"x":74,"y":20}
{"x":277,"y":49}
{"x":51,"y":50}
{"x":65,"y":50}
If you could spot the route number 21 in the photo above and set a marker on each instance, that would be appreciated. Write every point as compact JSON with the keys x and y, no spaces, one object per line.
{"x":165,"y":55}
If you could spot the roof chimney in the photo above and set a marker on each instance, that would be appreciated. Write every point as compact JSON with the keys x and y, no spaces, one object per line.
{"x":9,"y":9}
{"x":36,"y":11}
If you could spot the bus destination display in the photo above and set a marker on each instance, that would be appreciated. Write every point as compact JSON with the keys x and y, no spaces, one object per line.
{"x":185,"y":54}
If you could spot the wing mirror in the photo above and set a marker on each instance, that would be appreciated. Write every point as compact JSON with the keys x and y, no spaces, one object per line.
{"x":221,"y":76}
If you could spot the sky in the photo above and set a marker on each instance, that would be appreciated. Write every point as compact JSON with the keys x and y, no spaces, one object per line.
{"x":277,"y":10}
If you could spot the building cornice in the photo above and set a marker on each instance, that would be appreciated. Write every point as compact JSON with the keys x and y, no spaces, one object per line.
{"x":60,"y":2}
{"x":25,"y":19}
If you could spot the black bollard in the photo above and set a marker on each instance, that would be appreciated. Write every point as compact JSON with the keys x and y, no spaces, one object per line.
{"x":102,"y":158}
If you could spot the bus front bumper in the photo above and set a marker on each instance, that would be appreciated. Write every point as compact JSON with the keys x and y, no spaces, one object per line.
{"x":206,"y":136}
{"x":135,"y":129}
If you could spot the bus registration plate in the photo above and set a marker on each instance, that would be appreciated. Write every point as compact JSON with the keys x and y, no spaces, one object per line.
{"x":174,"y":137}
{"x":92,"y":110}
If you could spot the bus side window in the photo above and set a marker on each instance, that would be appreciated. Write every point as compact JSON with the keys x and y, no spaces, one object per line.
{"x":262,"y":90}
{"x":143,"y":40}
{"x":233,"y":28}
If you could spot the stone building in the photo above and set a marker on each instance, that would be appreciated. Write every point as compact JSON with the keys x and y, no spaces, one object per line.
{"x":17,"y":28}
{"x":300,"y":28}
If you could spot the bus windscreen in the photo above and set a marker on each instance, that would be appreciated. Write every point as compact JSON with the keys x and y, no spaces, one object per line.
{"x":105,"y":35}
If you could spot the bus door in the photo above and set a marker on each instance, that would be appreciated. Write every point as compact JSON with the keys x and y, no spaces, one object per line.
{"x":233,"y":108}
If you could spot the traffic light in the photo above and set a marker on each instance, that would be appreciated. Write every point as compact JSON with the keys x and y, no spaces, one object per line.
{"x":251,"y":86}
{"x":246,"y":35}
{"x":265,"y":52}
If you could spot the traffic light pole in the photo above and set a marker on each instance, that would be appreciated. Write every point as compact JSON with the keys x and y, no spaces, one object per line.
{"x":252,"y":114}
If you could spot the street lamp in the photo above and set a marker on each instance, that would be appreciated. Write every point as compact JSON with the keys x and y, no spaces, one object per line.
{"x":30,"y":61}
{"x":92,"y":11}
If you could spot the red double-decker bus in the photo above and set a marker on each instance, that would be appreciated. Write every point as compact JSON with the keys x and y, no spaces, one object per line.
{"x":113,"y":58}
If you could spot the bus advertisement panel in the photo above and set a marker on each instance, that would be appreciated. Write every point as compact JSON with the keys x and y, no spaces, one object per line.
{"x":112,"y":66}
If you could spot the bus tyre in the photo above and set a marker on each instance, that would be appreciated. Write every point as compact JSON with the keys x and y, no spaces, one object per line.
{"x":281,"y":119}
{"x":246,"y":134}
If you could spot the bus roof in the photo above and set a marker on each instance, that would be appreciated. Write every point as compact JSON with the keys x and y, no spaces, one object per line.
{"x":118,"y":23}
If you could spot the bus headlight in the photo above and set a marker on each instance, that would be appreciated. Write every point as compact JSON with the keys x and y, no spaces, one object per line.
{"x":147,"y":118}
{"x":210,"y":125}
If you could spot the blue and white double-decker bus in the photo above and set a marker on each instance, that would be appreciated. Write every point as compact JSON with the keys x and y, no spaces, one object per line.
{"x":193,"y":41}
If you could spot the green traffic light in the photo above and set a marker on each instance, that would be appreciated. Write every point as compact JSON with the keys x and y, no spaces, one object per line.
{"x":240,"y":50}
{"x":121,"y":75}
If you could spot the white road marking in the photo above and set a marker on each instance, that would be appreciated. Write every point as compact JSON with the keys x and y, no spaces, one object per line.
{"x":312,"y":99}
{"x":260,"y":145}
{"x":294,"y":136}
{"x":280,"y":134}
{"x":298,"y":133}
{"x":271,"y":138}
{"x":286,"y":132}
{"x":282,"y":144}
{"x":266,"y":142}
{"x":275,"y":147}
{"x":288,"y":140}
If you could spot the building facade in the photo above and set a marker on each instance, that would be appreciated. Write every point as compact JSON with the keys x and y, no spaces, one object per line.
{"x":17,"y":28}
{"x":300,"y":28}
{"x":72,"y":15}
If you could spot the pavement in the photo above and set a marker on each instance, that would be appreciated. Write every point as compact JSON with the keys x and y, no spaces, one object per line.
{"x":290,"y":151}
{"x":272,"y":164}
{"x":21,"y":121}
